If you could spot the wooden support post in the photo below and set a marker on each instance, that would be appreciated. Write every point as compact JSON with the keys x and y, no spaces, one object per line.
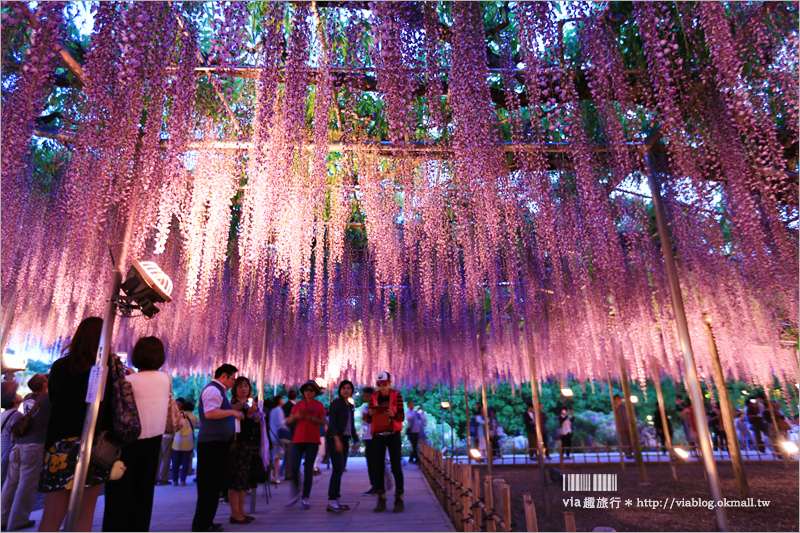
{"x":569,"y":521}
{"x":727,"y":413}
{"x":466,"y":503}
{"x":530,"y":514}
{"x":662,"y":408}
{"x":476,"y":496}
{"x":506,"y":494}
{"x":488,"y":492}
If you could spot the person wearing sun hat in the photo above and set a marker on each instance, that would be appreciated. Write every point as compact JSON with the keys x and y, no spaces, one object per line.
{"x":309,"y":413}
{"x":386,"y":414}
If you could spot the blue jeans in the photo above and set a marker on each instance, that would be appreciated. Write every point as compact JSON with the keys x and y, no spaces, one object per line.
{"x":309,"y":451}
{"x":338,"y":463}
{"x":181,"y":462}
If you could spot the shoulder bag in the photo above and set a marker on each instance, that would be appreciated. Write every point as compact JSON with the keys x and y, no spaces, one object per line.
{"x":174,"y":414}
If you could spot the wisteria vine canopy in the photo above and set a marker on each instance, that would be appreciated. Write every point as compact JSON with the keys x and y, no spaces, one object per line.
{"x":404,"y":186}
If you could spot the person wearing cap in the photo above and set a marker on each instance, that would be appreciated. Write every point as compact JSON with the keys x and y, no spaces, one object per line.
{"x":309,"y":414}
{"x":386,"y":414}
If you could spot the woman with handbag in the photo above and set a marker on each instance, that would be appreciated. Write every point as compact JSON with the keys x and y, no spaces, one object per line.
{"x":67,"y":386}
{"x":129,"y":500}
{"x":245,"y":448}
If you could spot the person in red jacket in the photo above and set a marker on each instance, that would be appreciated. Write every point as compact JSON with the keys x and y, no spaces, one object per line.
{"x":386,"y":414}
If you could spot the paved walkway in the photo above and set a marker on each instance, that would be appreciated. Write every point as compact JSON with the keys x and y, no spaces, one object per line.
{"x":173,"y":507}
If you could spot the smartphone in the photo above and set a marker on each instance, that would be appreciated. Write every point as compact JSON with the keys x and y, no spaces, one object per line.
{"x":249,"y":402}
{"x":123,"y":357}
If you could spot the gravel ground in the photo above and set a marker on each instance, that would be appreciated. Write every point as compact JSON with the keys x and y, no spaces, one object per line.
{"x":772,"y":483}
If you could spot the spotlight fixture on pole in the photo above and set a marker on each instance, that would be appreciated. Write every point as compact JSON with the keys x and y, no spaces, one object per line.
{"x":567,"y":392}
{"x":145,"y":286}
{"x":634,"y":398}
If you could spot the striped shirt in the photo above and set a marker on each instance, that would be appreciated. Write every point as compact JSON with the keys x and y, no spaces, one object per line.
{"x":622,"y":415}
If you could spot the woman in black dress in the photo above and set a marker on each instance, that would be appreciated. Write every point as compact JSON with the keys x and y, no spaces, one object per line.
{"x":245,"y":448}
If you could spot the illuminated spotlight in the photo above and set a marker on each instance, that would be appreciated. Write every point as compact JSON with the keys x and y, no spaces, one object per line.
{"x":567,"y":392}
{"x":649,"y":417}
{"x":445,"y":405}
{"x":145,"y":286}
{"x":320,"y":383}
{"x":790,"y":447}
{"x":680,"y":452}
{"x":752,"y":400}
{"x":634,"y":398}
{"x":744,"y":393}
{"x":351,"y":401}
{"x":475,"y":453}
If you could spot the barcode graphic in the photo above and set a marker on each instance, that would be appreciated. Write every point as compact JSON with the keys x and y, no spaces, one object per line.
{"x":593,"y":482}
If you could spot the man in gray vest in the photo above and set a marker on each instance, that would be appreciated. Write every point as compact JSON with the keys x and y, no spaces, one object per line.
{"x":217,"y":429}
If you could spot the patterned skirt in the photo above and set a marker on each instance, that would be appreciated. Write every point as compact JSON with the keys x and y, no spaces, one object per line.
{"x":60,"y":461}
{"x":241,"y":463}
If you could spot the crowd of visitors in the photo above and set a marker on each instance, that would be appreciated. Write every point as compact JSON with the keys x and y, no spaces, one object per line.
{"x":239,"y":445}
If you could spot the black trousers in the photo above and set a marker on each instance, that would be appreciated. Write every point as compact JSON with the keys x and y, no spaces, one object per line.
{"x":129,"y":500}
{"x":213,"y":464}
{"x":566,"y":444}
{"x":393,"y":443}
{"x":413,"y":438}
{"x":369,"y":454}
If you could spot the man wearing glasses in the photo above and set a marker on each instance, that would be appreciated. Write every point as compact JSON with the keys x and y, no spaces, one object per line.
{"x":386,"y":414}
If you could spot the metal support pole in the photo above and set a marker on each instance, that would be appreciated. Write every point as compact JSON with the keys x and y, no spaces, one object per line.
{"x":101,"y":365}
{"x":692,"y":382}
{"x":616,"y":421}
{"x":626,"y":391}
{"x":662,"y":408}
{"x":537,"y":421}
{"x":727,"y":413}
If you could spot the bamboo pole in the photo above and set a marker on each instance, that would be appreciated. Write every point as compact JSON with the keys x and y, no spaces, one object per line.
{"x":485,"y":415}
{"x":727,"y":413}
{"x":693,"y":384}
{"x":662,"y":408}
